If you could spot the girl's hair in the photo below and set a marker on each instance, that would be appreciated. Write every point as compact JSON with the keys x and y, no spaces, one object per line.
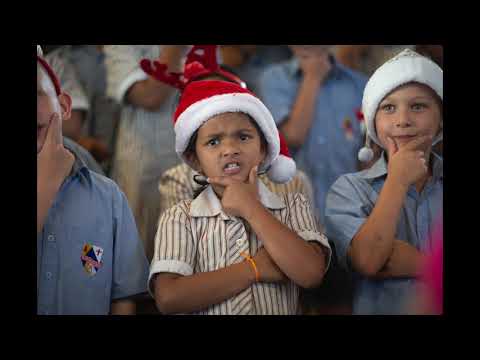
{"x":190,"y":150}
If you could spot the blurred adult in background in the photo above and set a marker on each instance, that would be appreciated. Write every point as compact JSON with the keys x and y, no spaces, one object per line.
{"x":145,"y":139}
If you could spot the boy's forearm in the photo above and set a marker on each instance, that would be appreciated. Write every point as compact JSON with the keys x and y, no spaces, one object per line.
{"x":150,"y":93}
{"x":296,"y":127}
{"x":405,"y":261}
{"x":295,"y":257}
{"x":123,"y":307}
{"x":373,"y":244}
{"x":199,"y":291}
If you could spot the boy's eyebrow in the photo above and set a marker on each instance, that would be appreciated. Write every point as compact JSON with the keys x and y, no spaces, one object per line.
{"x":220,"y":134}
{"x":424,"y":97}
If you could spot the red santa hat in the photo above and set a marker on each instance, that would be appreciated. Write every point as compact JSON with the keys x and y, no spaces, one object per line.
{"x":201,"y":100}
{"x":46,"y":66}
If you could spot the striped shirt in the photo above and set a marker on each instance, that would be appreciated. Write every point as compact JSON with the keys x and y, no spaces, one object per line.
{"x":177,"y":184}
{"x":198,"y":236}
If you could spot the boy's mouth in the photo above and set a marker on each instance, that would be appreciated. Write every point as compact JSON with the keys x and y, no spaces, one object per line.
{"x":232,"y":168}
{"x":404,"y":138}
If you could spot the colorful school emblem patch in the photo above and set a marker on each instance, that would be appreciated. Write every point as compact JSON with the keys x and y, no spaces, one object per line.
{"x":91,"y":258}
{"x":348,"y":128}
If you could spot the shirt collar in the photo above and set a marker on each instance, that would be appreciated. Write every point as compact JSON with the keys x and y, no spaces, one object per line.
{"x":379,"y":168}
{"x":437,"y":166}
{"x":207,"y":204}
{"x":79,"y":167}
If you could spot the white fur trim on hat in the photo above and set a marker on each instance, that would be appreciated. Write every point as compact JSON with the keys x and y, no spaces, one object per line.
{"x":198,"y":113}
{"x":406,"y":67}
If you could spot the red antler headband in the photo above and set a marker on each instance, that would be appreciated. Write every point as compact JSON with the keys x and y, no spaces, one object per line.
{"x":201,"y":61}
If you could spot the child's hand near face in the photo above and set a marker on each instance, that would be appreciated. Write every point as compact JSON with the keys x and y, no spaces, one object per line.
{"x":407,"y":165}
{"x":54,"y":161}
{"x":237,"y":196}
{"x":314,"y":63}
{"x":268,"y":271}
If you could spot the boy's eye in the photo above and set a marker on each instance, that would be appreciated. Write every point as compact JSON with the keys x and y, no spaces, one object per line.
{"x":244,"y":137}
{"x":213,"y":142}
{"x":388,"y":108}
{"x":418,"y":106}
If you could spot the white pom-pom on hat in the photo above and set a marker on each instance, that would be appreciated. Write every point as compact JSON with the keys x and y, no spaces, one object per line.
{"x":365,"y":154}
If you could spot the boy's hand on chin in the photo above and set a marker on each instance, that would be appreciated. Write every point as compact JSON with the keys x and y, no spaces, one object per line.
{"x":238,"y":197}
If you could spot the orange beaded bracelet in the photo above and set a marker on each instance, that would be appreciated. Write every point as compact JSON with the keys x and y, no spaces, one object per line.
{"x":252,"y":262}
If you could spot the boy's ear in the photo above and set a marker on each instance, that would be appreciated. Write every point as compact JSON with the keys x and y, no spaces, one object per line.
{"x":66,"y":105}
{"x":193,"y":161}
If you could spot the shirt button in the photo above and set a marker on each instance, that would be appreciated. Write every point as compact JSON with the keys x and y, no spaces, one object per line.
{"x":49,"y":275}
{"x":51,"y":238}
{"x":240,"y":242}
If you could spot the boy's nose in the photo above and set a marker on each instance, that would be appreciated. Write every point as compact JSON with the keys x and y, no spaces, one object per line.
{"x":229,"y":148}
{"x":403,"y":119}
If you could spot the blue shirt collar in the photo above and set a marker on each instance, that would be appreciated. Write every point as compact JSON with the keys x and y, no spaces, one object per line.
{"x":79,"y":167}
{"x":379,"y":168}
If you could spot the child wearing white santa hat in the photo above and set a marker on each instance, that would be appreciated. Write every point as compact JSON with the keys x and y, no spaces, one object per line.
{"x":380,"y":219}
{"x":237,"y":248}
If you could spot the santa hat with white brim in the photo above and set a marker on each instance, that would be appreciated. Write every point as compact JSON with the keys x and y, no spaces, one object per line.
{"x":406,"y":67}
{"x":204,"y":99}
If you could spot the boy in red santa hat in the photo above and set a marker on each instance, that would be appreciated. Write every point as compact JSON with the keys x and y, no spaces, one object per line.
{"x":237,"y":248}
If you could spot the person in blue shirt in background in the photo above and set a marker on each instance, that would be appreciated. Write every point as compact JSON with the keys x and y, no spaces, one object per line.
{"x":89,"y":256}
{"x":382,"y":219}
{"x":314,"y":101}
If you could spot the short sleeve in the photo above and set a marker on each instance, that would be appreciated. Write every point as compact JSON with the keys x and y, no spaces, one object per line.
{"x":130,"y":264}
{"x":123,"y":69}
{"x":174,"y":245}
{"x":303,"y":222}
{"x":347,"y":208}
{"x":276,"y":92}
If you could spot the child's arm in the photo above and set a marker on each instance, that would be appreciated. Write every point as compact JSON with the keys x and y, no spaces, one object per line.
{"x":183,"y":294}
{"x":123,"y":307}
{"x":54,"y":163}
{"x":406,"y":261}
{"x":373,"y":244}
{"x":302,"y":262}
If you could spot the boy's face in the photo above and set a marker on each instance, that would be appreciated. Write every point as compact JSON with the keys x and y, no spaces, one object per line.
{"x":302,"y":51}
{"x":408,"y":112}
{"x":228,"y":145}
{"x":48,"y":103}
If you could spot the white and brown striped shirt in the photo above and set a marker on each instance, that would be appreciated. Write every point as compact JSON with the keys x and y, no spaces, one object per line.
{"x":198,"y":236}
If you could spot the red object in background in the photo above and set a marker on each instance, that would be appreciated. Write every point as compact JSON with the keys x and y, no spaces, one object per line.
{"x":359,"y":115}
{"x":432,"y":274}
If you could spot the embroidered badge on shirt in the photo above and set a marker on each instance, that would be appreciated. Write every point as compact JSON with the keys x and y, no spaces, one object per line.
{"x":348,"y":128}
{"x":91,"y":258}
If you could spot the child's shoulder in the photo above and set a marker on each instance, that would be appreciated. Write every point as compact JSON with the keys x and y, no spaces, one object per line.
{"x":181,"y":209}
{"x":354,"y":181}
{"x":293,"y":198}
